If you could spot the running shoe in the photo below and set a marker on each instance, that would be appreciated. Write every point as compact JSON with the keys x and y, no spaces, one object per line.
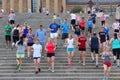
{"x":49,"y":69}
{"x":71,"y":62}
{"x":118,"y":66}
{"x":43,"y":57}
{"x":104,"y":78}
{"x":39,"y":69}
{"x":52,"y":71}
{"x":36,"y":72}
{"x":69,"y":65}
{"x":97,"y":65}
{"x":83,"y":64}
{"x":17,"y":66}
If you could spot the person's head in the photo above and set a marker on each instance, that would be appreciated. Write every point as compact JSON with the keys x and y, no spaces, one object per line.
{"x":8,"y":22}
{"x":54,"y":20}
{"x":116,"y":20}
{"x":17,"y":25}
{"x":106,"y":48}
{"x":25,"y":24}
{"x":94,"y":33}
{"x":37,"y":41}
{"x":20,"y":41}
{"x":30,"y":30}
{"x":82,"y":18}
{"x":115,"y":36}
{"x":65,"y":20}
{"x":89,"y":17}
{"x":58,"y":15}
{"x":41,"y":27}
{"x":70,"y":36}
{"x":50,"y":40}
{"x":102,"y":29}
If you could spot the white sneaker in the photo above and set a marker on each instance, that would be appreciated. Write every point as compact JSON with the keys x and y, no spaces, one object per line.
{"x":83,"y":64}
{"x":53,"y":71}
{"x":49,"y":69}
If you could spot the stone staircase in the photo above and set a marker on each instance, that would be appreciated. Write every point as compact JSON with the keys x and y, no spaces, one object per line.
{"x":76,"y":72}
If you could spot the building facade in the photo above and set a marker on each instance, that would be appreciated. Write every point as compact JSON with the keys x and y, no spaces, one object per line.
{"x":54,"y":6}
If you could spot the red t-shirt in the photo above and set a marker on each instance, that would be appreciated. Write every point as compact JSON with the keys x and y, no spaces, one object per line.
{"x":82,"y":40}
{"x":82,"y":23}
{"x":50,"y":47}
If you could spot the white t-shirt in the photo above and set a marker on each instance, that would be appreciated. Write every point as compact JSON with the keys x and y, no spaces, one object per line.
{"x":12,"y":16}
{"x":70,"y":43}
{"x":116,"y":25}
{"x":73,"y":16}
{"x":37,"y":49}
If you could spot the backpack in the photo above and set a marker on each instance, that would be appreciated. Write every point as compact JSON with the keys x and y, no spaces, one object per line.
{"x":16,"y":32}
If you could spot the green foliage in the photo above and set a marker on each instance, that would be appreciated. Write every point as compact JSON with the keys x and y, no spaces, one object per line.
{"x":76,"y":9}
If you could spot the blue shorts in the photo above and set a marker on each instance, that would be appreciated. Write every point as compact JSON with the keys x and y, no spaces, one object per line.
{"x":70,"y":50}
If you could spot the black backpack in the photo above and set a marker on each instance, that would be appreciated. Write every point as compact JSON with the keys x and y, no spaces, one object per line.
{"x":16,"y":32}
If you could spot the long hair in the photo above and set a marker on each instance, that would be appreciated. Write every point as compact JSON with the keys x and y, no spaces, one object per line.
{"x":20,"y":41}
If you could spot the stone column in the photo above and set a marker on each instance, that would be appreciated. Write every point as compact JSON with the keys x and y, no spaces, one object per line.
{"x":56,"y":6}
{"x":12,"y":5}
{"x":4,"y":4}
{"x":29,"y":4}
{"x":20,"y":6}
{"x":48,"y":5}
{"x":38,"y":5}
{"x":64,"y":6}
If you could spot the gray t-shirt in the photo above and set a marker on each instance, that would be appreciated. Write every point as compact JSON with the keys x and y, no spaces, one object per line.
{"x":21,"y":48}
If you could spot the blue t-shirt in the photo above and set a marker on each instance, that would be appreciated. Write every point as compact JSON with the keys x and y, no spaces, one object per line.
{"x":54,"y":26}
{"x":106,"y":30}
{"x":90,"y":22}
{"x":93,"y":16}
{"x":94,"y":42}
{"x":65,"y":27}
{"x":41,"y":35}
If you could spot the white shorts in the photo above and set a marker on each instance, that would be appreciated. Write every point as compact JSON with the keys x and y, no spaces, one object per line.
{"x":53,"y":35}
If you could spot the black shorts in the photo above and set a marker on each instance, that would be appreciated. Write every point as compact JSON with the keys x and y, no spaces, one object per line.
{"x":73,"y":21}
{"x":102,"y":22}
{"x":116,"y":52}
{"x":50,"y":54}
{"x":82,"y":49}
{"x":116,"y":30}
{"x":64,"y":35}
{"x":30,"y":44}
{"x":94,"y":21}
{"x":82,"y":28}
{"x":12,"y":22}
{"x":15,"y":39}
{"x":94,"y":50}
{"x":108,"y":37}
{"x":90,"y":29}
{"x":8,"y":38}
{"x":36,"y":57}
{"x":102,"y":41}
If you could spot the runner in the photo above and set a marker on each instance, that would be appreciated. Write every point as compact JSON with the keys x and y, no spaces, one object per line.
{"x":53,"y":27}
{"x":107,"y":56}
{"x":102,"y":37}
{"x":30,"y":41}
{"x":25,"y":30}
{"x":102,"y":19}
{"x":115,"y":43}
{"x":8,"y":30}
{"x":20,"y":54}
{"x":82,"y":24}
{"x":70,"y":49}
{"x":73,"y":19}
{"x":37,"y":49}
{"x":93,"y":15}
{"x":41,"y":35}
{"x":116,"y":26}
{"x":12,"y":18}
{"x":107,"y":32}
{"x":94,"y":47}
{"x":65,"y":30}
{"x":77,"y":30}
{"x":90,"y":26}
{"x":50,"y":49}
{"x":82,"y":48}
{"x":15,"y":35}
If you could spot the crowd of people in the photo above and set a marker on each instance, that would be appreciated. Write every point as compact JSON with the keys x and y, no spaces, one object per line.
{"x":40,"y":43}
